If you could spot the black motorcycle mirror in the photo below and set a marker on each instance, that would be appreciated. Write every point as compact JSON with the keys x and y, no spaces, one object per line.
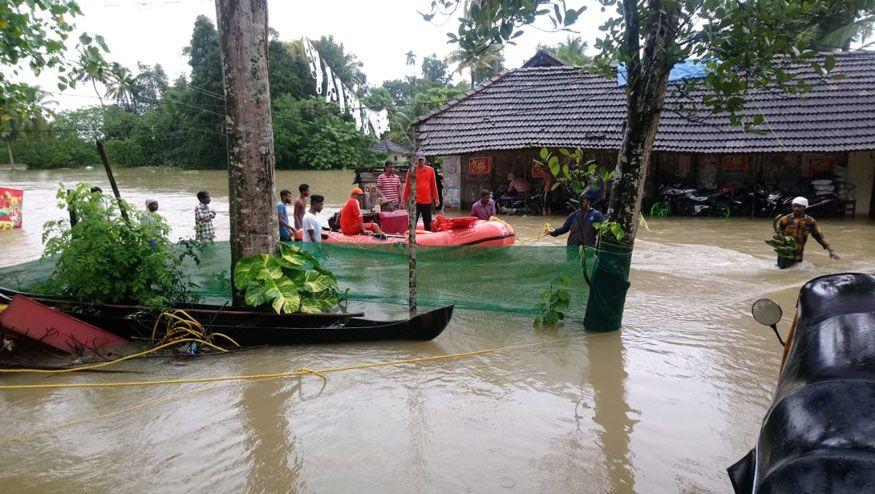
{"x":768,"y":313}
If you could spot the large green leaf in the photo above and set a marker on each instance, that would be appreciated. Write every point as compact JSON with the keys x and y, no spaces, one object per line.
{"x":314,"y":282}
{"x":260,"y":267}
{"x":282,"y":295}
{"x":311,"y":304}
{"x":292,"y":257}
{"x":255,"y":295}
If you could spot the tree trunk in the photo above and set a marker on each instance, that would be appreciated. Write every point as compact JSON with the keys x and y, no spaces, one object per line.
{"x":243,"y":39}
{"x":9,"y":149}
{"x":647,"y":79}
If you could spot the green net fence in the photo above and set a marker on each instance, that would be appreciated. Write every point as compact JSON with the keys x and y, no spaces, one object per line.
{"x":505,"y":279}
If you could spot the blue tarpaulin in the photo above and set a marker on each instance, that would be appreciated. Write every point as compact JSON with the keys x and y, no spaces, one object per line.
{"x":682,"y":71}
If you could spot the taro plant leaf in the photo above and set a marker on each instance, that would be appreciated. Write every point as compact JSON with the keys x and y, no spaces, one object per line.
{"x":314,"y":282}
{"x":254,"y":295}
{"x":283,"y":295}
{"x":292,"y":256}
{"x":311,"y":304}
{"x":262,"y":266}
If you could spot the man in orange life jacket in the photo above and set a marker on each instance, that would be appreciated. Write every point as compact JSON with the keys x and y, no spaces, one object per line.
{"x":426,"y":193}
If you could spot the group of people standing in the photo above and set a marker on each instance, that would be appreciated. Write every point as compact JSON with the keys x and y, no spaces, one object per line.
{"x":394,"y":195}
{"x":303,"y":220}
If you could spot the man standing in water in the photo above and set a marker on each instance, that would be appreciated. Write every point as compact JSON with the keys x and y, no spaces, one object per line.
{"x":301,"y":205}
{"x":203,"y":219}
{"x":150,"y":217}
{"x":426,"y":193}
{"x":581,"y":223}
{"x":282,"y":212}
{"x":799,"y":226}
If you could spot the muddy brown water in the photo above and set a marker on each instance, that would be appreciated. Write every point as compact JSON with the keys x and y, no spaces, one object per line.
{"x":665,"y":405}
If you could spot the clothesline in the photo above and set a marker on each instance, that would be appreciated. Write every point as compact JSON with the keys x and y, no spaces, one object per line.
{"x":329,"y":85}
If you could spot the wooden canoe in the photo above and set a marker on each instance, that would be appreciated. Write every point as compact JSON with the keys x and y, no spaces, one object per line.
{"x":254,"y":327}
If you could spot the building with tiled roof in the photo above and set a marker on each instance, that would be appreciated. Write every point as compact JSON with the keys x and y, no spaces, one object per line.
{"x":549,"y":104}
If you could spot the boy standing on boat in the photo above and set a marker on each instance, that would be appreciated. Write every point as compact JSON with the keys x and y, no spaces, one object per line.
{"x":426,"y":193}
{"x":390,"y":186}
{"x":203,"y":219}
{"x":799,"y":226}
{"x":282,"y":211}
{"x":580,"y":225}
{"x":312,"y":227}
{"x":301,"y":205}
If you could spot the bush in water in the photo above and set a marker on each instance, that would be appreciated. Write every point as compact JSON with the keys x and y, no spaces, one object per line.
{"x":554,"y":301}
{"x":107,"y":259}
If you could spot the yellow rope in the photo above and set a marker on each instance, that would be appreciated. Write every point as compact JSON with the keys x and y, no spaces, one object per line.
{"x":247,"y":377}
{"x":300,"y":372}
{"x":547,"y":230}
{"x":111,"y":362}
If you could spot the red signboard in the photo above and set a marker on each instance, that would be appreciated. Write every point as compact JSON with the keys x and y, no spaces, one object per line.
{"x":814,"y":164}
{"x":480,"y":165}
{"x":10,"y":208}
{"x":734,"y":162}
{"x":537,"y":171}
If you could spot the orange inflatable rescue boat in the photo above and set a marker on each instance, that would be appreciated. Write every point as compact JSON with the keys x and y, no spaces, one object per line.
{"x":448,"y":232}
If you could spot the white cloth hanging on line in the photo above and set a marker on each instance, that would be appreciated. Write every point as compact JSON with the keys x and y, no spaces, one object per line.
{"x":341,"y":93}
{"x":373,"y":119}
{"x":315,"y":62}
{"x":330,"y":90}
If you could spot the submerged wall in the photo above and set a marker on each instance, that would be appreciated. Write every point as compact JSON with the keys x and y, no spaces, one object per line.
{"x":861,"y":173}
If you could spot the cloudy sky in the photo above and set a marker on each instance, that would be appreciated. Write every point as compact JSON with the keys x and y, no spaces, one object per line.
{"x":379,"y":32}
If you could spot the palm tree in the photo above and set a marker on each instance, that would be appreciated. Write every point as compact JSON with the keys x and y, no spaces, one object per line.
{"x":475,"y":59}
{"x":120,"y":85}
{"x":22,"y":125}
{"x":572,"y":50}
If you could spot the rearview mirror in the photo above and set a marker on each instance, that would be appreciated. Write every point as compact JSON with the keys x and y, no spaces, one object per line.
{"x":766,"y":312}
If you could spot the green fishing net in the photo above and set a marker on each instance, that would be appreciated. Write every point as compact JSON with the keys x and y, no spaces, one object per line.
{"x":504,"y":279}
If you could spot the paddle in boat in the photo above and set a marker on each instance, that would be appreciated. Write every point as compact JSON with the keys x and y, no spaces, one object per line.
{"x":251,"y":327}
{"x":819,"y":432}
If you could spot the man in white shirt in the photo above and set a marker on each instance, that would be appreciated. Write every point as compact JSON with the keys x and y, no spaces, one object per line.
{"x":311,"y":226}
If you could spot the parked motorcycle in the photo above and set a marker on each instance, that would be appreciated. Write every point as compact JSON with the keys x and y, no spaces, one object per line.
{"x":674,"y":200}
{"x":528,"y":205}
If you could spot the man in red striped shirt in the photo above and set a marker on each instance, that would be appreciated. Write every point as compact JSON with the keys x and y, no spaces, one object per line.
{"x":426,"y":193}
{"x":390,"y":186}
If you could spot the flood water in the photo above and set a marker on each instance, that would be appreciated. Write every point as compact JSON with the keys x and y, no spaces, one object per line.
{"x":664,"y":405}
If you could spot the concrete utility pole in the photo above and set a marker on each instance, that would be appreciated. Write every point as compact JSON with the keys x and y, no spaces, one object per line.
{"x":243,"y":39}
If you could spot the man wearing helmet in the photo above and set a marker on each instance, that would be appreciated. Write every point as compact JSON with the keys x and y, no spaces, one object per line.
{"x":580,"y":225}
{"x":799,"y":226}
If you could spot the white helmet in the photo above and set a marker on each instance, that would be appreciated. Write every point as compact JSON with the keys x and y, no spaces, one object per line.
{"x":800,"y":201}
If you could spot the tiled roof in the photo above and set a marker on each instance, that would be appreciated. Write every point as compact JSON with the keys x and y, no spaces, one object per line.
{"x":543,"y":58}
{"x":387,"y":146}
{"x":563,"y":107}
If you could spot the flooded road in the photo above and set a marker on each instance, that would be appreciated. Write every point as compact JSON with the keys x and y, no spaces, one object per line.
{"x":665,"y":405}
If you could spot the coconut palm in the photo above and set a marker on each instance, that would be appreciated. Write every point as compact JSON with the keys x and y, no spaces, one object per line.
{"x":475,"y":59}
{"x":21,"y":126}
{"x":120,"y":86}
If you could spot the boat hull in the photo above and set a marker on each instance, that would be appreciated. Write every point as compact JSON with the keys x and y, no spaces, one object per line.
{"x":255,"y":328}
